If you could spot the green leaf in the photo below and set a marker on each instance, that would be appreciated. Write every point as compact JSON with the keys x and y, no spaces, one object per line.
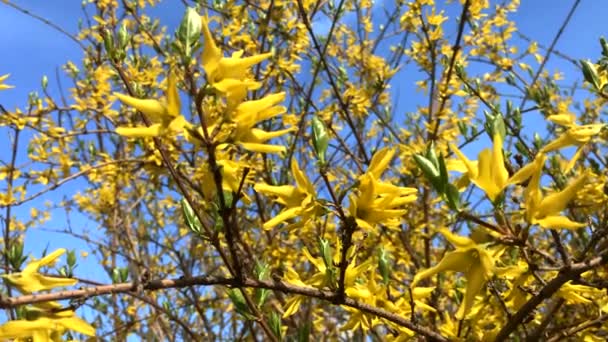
{"x":326,"y":252}
{"x":453,"y":197}
{"x":240,"y":305}
{"x":384,"y":265}
{"x":320,"y":138}
{"x":443,"y":175}
{"x":275,"y":324}
{"x":429,"y":169}
{"x":431,"y":155}
{"x":262,"y":272}
{"x":590,"y":74}
{"x":303,"y":334}
{"x":189,"y":30}
{"x":190,"y":217}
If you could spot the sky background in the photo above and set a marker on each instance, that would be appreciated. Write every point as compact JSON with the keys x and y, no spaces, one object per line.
{"x":31,"y":49}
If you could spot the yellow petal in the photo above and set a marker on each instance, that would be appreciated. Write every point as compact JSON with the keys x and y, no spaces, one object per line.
{"x":154,"y":109}
{"x":284,"y":215}
{"x":574,"y":158}
{"x":367,"y":190}
{"x":22,"y":328}
{"x":302,"y":181}
{"x":292,"y":305}
{"x":584,"y":133}
{"x":47,"y":260}
{"x":564,"y":119}
{"x":233,"y":84}
{"x":556,"y":202}
{"x":380,"y":161}
{"x":173,"y":102}
{"x":558,"y":222}
{"x":380,"y":215}
{"x":292,"y":277}
{"x":256,"y":106}
{"x":2,"y":79}
{"x":317,"y":262}
{"x":423,"y":306}
{"x":140,"y":132}
{"x":284,"y":191}
{"x":471,"y":167}
{"x":211,"y":53}
{"x":263,"y":148}
{"x":563,"y":140}
{"x":485,"y":180}
{"x":456,"y":165}
{"x":236,"y":67}
{"x":475,"y":282}
{"x":77,"y":324}
{"x":364,"y":225}
{"x":499,"y":171}
{"x":458,"y":261}
{"x":259,"y":136}
{"x":422,"y":292}
{"x":528,"y":170}
{"x":456,"y":240}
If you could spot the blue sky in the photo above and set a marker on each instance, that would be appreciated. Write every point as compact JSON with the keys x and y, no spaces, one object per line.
{"x":31,"y":49}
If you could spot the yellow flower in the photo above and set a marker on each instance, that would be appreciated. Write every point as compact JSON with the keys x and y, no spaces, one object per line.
{"x":292,"y":304}
{"x":232,"y":175}
{"x":45,"y":325}
{"x":299,"y":200}
{"x":369,"y":293}
{"x":470,"y":258}
{"x":377,"y":202}
{"x":546,"y":211}
{"x":2,"y":85}
{"x":29,"y":280}
{"x":248,"y":114}
{"x":489,"y":173}
{"x":575,"y":135}
{"x":573,"y":294}
{"x":165,"y":113}
{"x":228,"y":74}
{"x":325,"y":277}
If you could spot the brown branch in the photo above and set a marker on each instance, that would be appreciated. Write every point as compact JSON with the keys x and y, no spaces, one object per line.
{"x":547,"y":291}
{"x":455,"y":48}
{"x":282,"y":286}
{"x":334,"y":86}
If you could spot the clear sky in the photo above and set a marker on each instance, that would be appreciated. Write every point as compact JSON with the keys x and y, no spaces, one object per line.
{"x":31,"y":49}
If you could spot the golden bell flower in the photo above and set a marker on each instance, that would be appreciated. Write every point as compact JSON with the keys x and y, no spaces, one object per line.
{"x":250,"y":113}
{"x":2,"y":85}
{"x":489,"y":173}
{"x":45,"y":326}
{"x":546,"y":211}
{"x":299,"y":200}
{"x":29,"y":280}
{"x":577,"y":294}
{"x":165,"y":113}
{"x":575,"y":135}
{"x":470,"y":258}
{"x":228,"y":74}
{"x":321,"y":278}
{"x":378,"y":202}
{"x":232,"y":176}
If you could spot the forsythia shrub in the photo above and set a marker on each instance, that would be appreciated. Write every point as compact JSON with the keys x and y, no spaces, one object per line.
{"x":253,"y":176}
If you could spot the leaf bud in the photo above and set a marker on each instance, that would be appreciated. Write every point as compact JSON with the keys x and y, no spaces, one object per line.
{"x":320,"y":138}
